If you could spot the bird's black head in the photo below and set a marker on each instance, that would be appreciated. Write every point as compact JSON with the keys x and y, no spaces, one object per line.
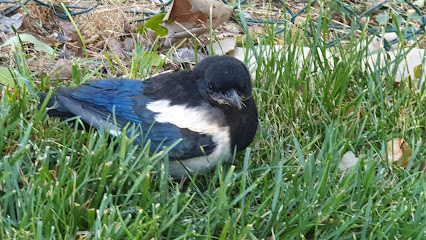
{"x":224,"y":81}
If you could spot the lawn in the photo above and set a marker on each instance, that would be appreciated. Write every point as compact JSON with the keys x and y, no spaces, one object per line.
{"x":59,"y":182}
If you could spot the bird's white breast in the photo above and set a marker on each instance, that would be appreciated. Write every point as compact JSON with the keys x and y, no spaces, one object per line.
{"x":199,"y":120}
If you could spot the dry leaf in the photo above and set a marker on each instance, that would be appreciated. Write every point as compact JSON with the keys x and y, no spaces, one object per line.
{"x":188,"y":55}
{"x":7,"y":76}
{"x":242,"y":39}
{"x":225,"y":46}
{"x":188,"y":17}
{"x":394,"y":150}
{"x":51,"y":40}
{"x":25,"y":37}
{"x":129,"y":44}
{"x":231,"y":27}
{"x":399,"y":152}
{"x":348,"y":160}
{"x":27,"y":25}
{"x":62,"y":69}
{"x":117,"y":47}
{"x":68,"y":30}
{"x":64,"y":53}
{"x":4,"y":37}
{"x":6,"y":23}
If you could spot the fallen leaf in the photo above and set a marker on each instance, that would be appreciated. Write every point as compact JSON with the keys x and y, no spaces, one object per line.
{"x":6,"y":76}
{"x":6,"y":23}
{"x":394,"y":150}
{"x":3,"y":37}
{"x":7,"y":81}
{"x":348,"y":160}
{"x":188,"y":17}
{"x":117,"y":47}
{"x":64,"y":53}
{"x":242,"y":39}
{"x":151,"y":59}
{"x":398,"y":151}
{"x":62,"y":69}
{"x":188,"y":55}
{"x":27,"y":24}
{"x":231,"y":27}
{"x":51,"y":39}
{"x":155,"y":24}
{"x":418,"y":71}
{"x":38,"y":45}
{"x":225,"y":46}
{"x":68,"y":30}
{"x":129,"y":44}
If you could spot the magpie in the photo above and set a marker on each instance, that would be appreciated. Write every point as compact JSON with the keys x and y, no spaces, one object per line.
{"x":209,"y":109}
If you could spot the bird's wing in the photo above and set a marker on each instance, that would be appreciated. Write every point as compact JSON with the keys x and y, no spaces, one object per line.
{"x":96,"y":101}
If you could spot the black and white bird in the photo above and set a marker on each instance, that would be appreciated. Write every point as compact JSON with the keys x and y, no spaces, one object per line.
{"x":210,"y":109}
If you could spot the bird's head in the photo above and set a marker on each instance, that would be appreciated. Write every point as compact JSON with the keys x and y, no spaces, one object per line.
{"x":224,"y":81}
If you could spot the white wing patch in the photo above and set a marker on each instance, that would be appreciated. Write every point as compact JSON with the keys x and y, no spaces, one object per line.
{"x":197,"y":120}
{"x":114,"y":132}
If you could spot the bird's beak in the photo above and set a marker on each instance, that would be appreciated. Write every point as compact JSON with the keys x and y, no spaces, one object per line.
{"x":230,"y":97}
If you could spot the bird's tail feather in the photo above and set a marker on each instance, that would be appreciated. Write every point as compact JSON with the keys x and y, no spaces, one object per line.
{"x":54,"y":106}
{"x":42,"y":98}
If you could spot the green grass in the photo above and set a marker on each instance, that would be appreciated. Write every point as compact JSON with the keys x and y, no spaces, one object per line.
{"x":57,"y":182}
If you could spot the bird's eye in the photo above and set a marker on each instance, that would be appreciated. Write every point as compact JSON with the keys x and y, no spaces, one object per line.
{"x":210,"y":87}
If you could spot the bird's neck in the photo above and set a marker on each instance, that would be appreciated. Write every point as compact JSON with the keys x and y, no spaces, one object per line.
{"x":243,"y":125}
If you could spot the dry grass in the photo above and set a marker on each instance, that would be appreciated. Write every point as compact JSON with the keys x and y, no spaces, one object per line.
{"x":111,"y":28}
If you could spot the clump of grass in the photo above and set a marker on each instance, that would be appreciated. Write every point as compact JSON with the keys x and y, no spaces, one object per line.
{"x":57,"y":181}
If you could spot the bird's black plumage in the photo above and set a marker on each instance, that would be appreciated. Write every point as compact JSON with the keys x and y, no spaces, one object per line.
{"x":210,"y":108}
